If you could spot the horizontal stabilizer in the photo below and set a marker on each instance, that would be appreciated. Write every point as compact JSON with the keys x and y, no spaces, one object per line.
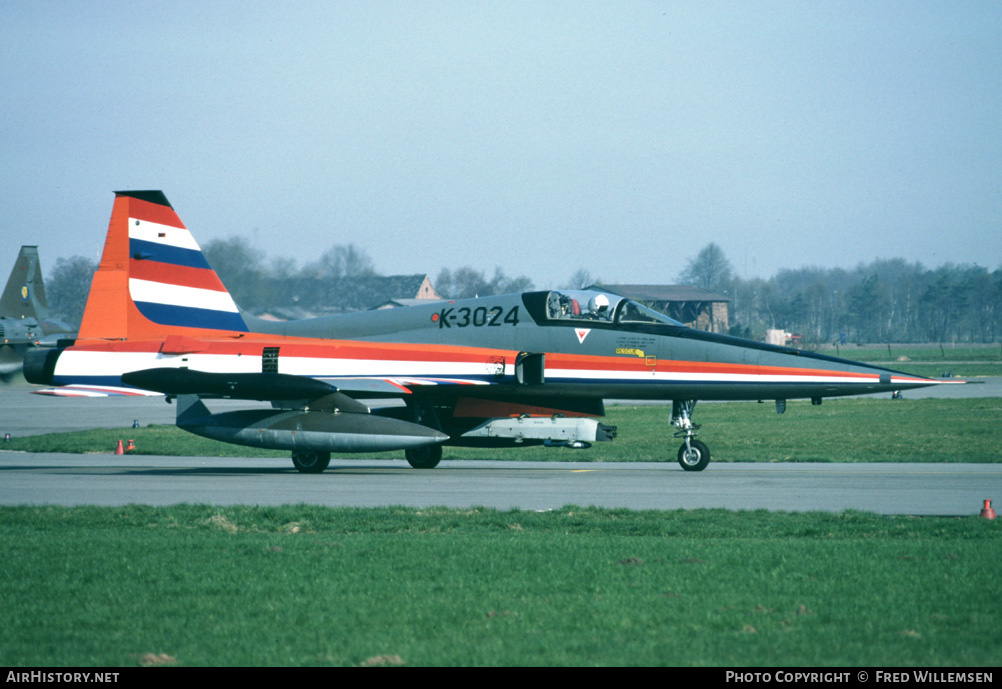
{"x":245,"y":386}
{"x":94,"y":391}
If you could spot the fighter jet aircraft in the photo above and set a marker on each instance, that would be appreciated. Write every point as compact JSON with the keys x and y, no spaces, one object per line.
{"x":24,"y":321}
{"x":500,"y":371}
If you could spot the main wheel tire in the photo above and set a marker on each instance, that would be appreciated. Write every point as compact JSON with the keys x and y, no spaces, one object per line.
{"x":311,"y":462}
{"x":426,"y":457}
{"x":694,"y":459}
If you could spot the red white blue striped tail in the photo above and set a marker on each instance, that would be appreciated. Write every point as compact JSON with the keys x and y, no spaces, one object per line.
{"x":153,"y":264}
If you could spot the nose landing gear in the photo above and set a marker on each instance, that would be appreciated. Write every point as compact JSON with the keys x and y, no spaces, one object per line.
{"x":694,"y":455}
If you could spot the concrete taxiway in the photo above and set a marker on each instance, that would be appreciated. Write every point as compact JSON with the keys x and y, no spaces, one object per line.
{"x":62,"y":479}
{"x":913,"y":489}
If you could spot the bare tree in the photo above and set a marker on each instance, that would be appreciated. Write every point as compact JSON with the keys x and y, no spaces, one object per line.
{"x":68,"y":286}
{"x":342,"y":261}
{"x":582,"y":278}
{"x":710,"y":270}
{"x":467,"y":282}
{"x":240,"y":268}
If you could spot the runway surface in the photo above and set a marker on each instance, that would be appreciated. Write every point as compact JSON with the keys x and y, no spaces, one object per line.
{"x":912,"y":489}
{"x":62,"y":479}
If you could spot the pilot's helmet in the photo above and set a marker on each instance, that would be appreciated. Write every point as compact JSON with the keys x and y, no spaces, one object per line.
{"x":599,"y":303}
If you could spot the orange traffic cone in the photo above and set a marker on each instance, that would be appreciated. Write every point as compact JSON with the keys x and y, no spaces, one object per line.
{"x":987,"y":512}
{"x":131,"y":446}
{"x":119,"y":450}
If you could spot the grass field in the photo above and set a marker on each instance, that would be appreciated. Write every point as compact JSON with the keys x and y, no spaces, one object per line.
{"x":197,"y":585}
{"x":918,"y":352}
{"x":306,"y":585}
{"x":840,"y":430}
{"x":927,"y":360}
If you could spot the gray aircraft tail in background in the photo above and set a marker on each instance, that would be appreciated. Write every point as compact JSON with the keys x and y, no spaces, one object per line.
{"x":24,"y":312}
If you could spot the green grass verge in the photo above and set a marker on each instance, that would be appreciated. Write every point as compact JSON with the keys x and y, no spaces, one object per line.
{"x":931,"y":369}
{"x":931,"y":354}
{"x":960,"y":360}
{"x":306,"y":585}
{"x":841,"y":430}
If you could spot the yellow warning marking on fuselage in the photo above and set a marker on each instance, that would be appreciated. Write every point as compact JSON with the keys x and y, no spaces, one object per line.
{"x":632,"y":351}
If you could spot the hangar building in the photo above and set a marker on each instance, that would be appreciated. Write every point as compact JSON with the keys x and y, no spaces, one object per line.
{"x":696,"y":307}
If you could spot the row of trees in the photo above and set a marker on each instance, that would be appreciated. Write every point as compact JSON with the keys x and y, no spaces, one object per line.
{"x":882,"y":301}
{"x":252,"y":281}
{"x":257,"y":283}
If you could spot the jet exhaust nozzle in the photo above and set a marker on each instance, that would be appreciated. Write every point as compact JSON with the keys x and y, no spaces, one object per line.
{"x":40,"y":365}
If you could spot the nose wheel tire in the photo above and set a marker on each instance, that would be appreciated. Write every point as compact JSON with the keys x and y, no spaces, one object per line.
{"x":311,"y":462}
{"x":695,"y":457}
{"x":426,"y":457}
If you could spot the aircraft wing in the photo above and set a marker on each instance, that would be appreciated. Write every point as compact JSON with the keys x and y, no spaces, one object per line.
{"x":262,"y":386}
{"x":275,"y":386}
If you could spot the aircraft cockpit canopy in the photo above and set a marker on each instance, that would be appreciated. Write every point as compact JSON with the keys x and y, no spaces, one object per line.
{"x":580,"y":306}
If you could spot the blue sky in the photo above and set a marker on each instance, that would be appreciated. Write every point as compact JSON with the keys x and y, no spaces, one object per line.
{"x":542,"y":137}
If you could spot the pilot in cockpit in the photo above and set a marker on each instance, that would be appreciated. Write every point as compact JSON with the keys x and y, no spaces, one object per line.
{"x":598,"y":307}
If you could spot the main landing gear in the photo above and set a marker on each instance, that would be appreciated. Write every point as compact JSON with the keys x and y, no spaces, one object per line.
{"x":311,"y":462}
{"x":694,"y":455}
{"x":426,"y":457}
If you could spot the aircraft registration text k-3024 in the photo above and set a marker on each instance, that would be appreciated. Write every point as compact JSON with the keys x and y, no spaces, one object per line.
{"x":479,"y":317}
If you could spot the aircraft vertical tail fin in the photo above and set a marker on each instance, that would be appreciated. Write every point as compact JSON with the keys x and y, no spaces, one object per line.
{"x":153,"y":279}
{"x":24,"y":295}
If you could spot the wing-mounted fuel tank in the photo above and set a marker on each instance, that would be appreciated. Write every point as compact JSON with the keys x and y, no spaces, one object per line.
{"x":316,"y":416}
{"x":304,"y":430}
